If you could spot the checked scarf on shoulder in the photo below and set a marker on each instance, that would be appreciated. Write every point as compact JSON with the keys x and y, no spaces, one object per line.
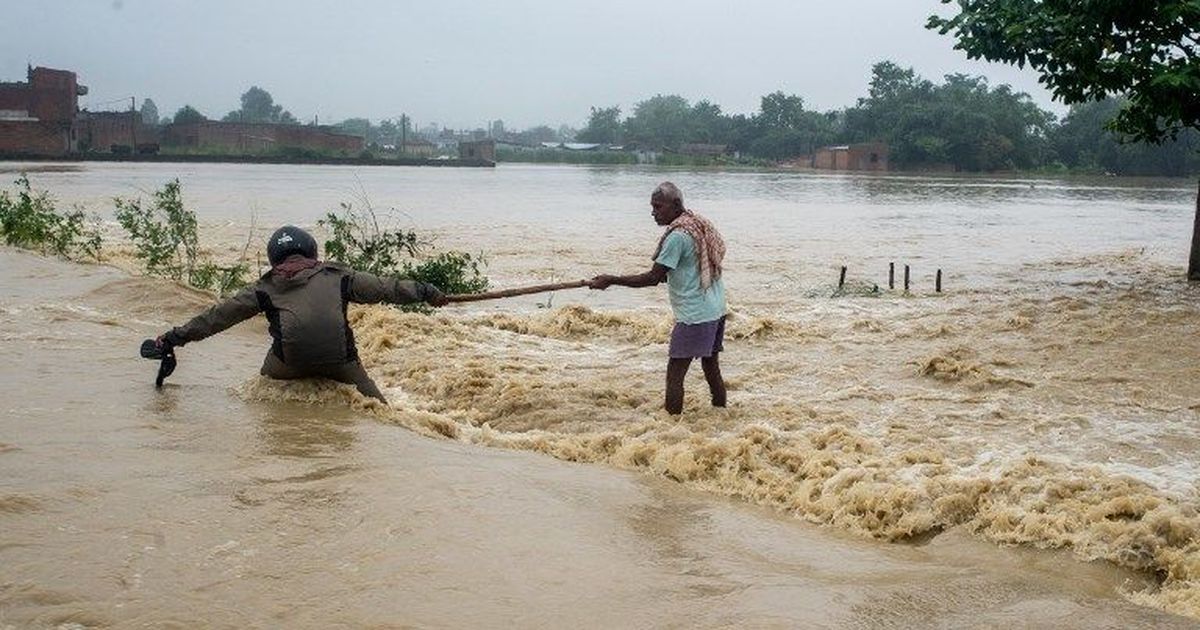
{"x":710,"y":247}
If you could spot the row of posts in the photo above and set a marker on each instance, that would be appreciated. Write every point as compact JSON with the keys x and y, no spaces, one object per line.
{"x":892,"y":278}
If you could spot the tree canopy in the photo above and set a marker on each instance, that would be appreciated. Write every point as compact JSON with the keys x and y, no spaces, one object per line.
{"x":962,"y":122}
{"x":1149,"y":52}
{"x":603,"y":126}
{"x":1146,"y":52}
{"x":259,"y":107}
{"x":188,"y":114}
{"x":149,"y":112}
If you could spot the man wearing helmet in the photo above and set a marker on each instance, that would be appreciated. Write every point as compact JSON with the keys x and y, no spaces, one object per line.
{"x":304,"y":300}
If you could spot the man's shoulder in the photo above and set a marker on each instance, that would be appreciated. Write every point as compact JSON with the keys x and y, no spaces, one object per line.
{"x":680,"y":239}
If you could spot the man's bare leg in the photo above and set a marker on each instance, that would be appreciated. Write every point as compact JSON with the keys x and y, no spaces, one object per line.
{"x":676,"y":370}
{"x":712,"y":374}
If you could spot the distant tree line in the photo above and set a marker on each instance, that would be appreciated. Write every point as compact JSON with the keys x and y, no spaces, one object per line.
{"x":962,"y":124}
{"x":258,"y":106}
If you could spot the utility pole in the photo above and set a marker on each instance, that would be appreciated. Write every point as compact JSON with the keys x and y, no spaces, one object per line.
{"x":133,"y":113}
{"x":403,"y":133}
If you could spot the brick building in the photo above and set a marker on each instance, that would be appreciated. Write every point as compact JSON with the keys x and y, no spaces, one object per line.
{"x":477,"y":150}
{"x":240,"y":138}
{"x":39,"y":116}
{"x":869,"y":156}
{"x":417,"y":148}
{"x":117,"y":132}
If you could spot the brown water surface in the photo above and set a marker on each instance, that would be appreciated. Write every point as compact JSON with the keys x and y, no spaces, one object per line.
{"x":1050,"y":399}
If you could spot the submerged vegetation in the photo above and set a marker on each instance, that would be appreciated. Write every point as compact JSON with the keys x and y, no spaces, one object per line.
{"x":29,"y":220}
{"x":165,"y":238}
{"x":356,"y":239}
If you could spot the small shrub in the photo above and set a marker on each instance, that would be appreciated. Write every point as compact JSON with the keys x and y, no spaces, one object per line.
{"x":357,"y":240}
{"x":165,"y":238}
{"x":164,"y":234}
{"x":452,"y":272}
{"x":31,"y":221}
{"x":223,"y":279}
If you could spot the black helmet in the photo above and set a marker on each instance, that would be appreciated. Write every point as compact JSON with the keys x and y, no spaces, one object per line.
{"x":289,"y":240}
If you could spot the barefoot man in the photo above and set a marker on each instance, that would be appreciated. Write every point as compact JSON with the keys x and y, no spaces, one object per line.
{"x":688,"y":258}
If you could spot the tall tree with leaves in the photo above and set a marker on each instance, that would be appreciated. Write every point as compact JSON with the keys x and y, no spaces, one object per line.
{"x":603,"y":127}
{"x":149,"y":113}
{"x":1149,"y":52}
{"x":259,"y":107}
{"x":188,"y":114}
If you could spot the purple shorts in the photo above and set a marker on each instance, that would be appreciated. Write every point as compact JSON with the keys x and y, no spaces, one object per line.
{"x":690,"y":341}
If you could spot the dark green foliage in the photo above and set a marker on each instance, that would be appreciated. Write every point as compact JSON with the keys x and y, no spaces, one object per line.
{"x":603,"y":127}
{"x":963,"y":123}
{"x":1084,"y":51}
{"x":149,"y":113}
{"x":30,"y":221}
{"x":452,"y":272}
{"x":661,"y":121}
{"x":188,"y":114}
{"x":1082,"y":142}
{"x":357,"y":240}
{"x":258,"y":106}
{"x":165,"y":239}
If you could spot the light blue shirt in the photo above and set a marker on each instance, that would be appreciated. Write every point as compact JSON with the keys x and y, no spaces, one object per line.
{"x":691,"y":304}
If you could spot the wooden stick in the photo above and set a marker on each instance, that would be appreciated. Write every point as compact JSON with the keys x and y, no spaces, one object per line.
{"x":939,"y":281}
{"x":495,"y":295}
{"x":842,"y":277}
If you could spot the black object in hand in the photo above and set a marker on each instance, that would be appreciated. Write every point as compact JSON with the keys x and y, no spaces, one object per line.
{"x":164,"y":352}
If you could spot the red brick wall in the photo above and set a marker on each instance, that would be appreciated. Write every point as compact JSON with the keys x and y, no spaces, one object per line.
{"x":858,"y":157}
{"x":14,"y":96}
{"x":34,"y":138}
{"x":52,"y":96}
{"x":317,"y":138}
{"x":253,"y":138}
{"x":481,"y":150}
{"x":101,"y":130}
{"x":825,"y":158}
{"x":868,"y":157}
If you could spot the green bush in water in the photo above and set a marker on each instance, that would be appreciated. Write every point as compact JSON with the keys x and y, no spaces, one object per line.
{"x":357,"y":240}
{"x":30,"y":221}
{"x":165,"y":238}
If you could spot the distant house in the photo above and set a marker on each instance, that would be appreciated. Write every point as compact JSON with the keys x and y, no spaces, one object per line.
{"x":711,"y":150}
{"x":477,"y":150}
{"x":38,"y":116}
{"x":417,"y":148}
{"x":868,"y":156}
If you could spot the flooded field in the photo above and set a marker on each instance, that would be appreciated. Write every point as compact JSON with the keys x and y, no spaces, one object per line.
{"x":1048,"y":400}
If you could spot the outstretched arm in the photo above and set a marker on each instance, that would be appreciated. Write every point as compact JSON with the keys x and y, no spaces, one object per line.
{"x":656,"y":275}
{"x":242,"y":306}
{"x":366,"y":288}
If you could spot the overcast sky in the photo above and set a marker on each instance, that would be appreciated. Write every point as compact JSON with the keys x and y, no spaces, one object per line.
{"x":463,"y":63}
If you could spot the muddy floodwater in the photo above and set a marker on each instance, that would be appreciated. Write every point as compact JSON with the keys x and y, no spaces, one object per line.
{"x":1019,"y":450}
